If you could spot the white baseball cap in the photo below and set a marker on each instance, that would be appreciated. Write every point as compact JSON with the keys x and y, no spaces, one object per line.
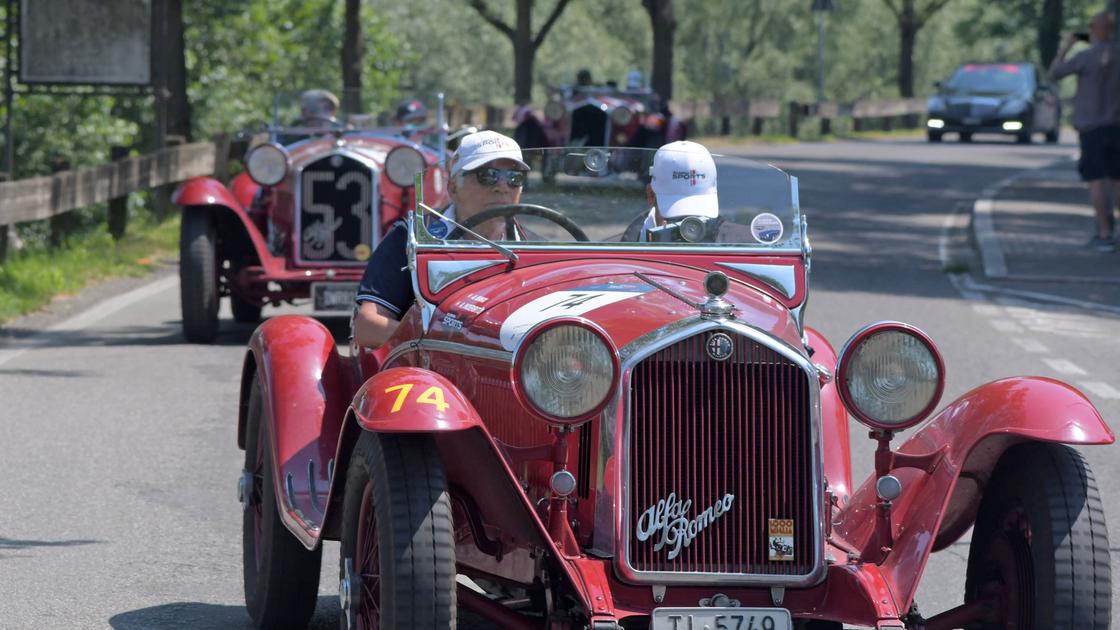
{"x":684,"y":180}
{"x":479,"y":149}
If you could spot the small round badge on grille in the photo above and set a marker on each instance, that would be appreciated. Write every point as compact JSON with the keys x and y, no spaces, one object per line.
{"x":720,"y":346}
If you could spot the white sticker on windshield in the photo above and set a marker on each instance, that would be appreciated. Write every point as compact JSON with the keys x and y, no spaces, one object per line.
{"x":766,"y":228}
{"x":558,"y":304}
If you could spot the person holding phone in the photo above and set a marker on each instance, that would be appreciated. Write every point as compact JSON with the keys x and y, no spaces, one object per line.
{"x":1096,"y":116}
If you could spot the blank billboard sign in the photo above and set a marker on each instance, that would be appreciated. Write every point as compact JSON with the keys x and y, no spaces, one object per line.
{"x":100,"y":42}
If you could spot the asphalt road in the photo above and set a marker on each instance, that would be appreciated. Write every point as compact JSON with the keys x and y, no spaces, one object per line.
{"x":118,"y":463}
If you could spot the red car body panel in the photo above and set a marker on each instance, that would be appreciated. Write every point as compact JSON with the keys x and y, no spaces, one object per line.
{"x":972,"y":432}
{"x":305,"y":391}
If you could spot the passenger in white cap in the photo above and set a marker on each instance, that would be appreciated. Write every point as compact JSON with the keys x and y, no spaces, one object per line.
{"x":486,"y":170}
{"x":682,"y":184}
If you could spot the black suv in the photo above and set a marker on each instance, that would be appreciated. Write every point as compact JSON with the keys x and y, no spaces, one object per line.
{"x":1004,"y":98}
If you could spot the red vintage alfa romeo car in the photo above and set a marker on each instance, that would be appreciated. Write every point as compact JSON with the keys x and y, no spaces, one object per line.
{"x":299,"y":223}
{"x":609,"y":426}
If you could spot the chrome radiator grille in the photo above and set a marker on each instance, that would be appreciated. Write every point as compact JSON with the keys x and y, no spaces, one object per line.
{"x":702,"y":429}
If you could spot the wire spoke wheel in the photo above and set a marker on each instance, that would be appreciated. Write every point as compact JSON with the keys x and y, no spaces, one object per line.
{"x":397,"y":537}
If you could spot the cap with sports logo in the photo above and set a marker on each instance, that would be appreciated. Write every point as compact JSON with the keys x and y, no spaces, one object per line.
{"x":684,"y":180}
{"x":479,"y":149}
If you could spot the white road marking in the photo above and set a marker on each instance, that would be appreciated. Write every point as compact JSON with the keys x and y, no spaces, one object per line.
{"x":1065,"y":366}
{"x":1103,"y":390}
{"x":1006,"y":326}
{"x":1030,"y":344}
{"x":89,"y":317}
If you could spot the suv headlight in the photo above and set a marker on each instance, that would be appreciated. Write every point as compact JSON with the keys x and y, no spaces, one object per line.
{"x":565,"y":370}
{"x":267,"y":164}
{"x":402,"y":164}
{"x":890,"y":375}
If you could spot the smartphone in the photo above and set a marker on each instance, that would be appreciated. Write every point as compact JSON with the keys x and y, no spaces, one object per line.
{"x":1081,"y":37}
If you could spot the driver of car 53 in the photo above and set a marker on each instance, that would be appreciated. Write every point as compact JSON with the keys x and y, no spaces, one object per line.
{"x":682,"y":193}
{"x":487,"y":170}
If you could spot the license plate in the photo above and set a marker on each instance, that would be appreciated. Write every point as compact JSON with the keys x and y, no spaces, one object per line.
{"x":334,"y":296}
{"x":972,"y":121}
{"x":721,"y":619}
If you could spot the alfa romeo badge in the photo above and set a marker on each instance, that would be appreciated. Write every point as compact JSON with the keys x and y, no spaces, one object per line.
{"x":720,"y":346}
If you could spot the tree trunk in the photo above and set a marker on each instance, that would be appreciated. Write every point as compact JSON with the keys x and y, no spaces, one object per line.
{"x":178,"y":107}
{"x":523,"y":53}
{"x":1049,"y":31}
{"x":352,"y":58}
{"x":908,"y":33}
{"x":664,"y":27}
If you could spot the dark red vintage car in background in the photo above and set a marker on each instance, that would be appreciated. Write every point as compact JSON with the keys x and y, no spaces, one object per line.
{"x":598,"y":430}
{"x":300,"y":222}
{"x":598,"y":115}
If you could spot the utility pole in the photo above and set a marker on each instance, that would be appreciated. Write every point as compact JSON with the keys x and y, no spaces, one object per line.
{"x":820,"y":7}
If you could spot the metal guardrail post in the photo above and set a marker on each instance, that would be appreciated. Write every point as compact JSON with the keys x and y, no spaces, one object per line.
{"x":4,"y":228}
{"x":794,"y":118}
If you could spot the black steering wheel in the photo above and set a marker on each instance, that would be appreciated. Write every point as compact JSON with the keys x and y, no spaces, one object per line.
{"x":511,"y":210}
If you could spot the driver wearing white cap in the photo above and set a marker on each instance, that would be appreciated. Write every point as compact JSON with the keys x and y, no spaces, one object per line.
{"x":682,"y":184}
{"x":487,"y":170}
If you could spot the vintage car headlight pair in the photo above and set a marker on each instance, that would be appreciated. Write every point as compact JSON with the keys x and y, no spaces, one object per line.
{"x":565,"y":370}
{"x":268,"y":164}
{"x":890,"y":376}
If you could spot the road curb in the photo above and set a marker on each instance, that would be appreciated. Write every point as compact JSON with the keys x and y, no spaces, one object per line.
{"x":991,"y":253}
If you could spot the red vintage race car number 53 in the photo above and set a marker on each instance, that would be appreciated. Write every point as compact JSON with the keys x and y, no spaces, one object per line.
{"x":431,"y":396}
{"x":721,"y":619}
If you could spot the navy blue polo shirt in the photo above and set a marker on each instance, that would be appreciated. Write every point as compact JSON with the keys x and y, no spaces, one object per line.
{"x":386,"y":280}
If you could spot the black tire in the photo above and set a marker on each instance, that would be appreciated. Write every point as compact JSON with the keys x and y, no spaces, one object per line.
{"x":244,"y":312}
{"x":933,"y":136}
{"x":198,"y":275}
{"x":396,"y":500}
{"x":1040,"y":533}
{"x":281,"y":576}
{"x":1026,"y":137}
{"x":965,"y":136}
{"x":1052,"y":135}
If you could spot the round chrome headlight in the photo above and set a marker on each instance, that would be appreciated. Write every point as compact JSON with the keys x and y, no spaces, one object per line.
{"x":554,"y":110}
{"x":267,"y":164}
{"x":621,"y":116}
{"x":890,"y":375}
{"x":566,"y":370}
{"x":402,"y":164}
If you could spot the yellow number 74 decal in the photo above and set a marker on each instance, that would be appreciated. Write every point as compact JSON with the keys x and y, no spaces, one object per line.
{"x":431,"y":396}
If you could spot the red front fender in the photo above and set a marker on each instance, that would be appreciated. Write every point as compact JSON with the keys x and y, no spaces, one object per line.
{"x":972,"y":433}
{"x":205,"y":191}
{"x":305,"y":389}
{"x":412,"y":400}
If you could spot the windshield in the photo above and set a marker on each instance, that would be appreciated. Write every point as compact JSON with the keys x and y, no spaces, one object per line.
{"x":989,"y":78}
{"x":599,"y":195}
{"x":301,"y":114}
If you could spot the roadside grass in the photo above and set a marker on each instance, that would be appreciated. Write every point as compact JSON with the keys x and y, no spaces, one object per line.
{"x":29,"y":279}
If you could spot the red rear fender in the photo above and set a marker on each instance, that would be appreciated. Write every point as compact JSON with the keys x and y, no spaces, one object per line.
{"x":412,"y":400}
{"x":306,"y":388}
{"x":936,"y":507}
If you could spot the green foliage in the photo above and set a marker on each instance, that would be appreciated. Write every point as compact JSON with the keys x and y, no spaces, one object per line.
{"x":30,"y":278}
{"x":241,"y":55}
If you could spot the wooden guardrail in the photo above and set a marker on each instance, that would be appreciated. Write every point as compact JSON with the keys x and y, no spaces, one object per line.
{"x":50,"y":196}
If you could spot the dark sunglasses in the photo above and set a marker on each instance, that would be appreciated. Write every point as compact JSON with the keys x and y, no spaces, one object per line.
{"x":488,"y":176}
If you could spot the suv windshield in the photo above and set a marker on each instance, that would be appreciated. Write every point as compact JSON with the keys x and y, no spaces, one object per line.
{"x":599,"y":195}
{"x":991,"y":78}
